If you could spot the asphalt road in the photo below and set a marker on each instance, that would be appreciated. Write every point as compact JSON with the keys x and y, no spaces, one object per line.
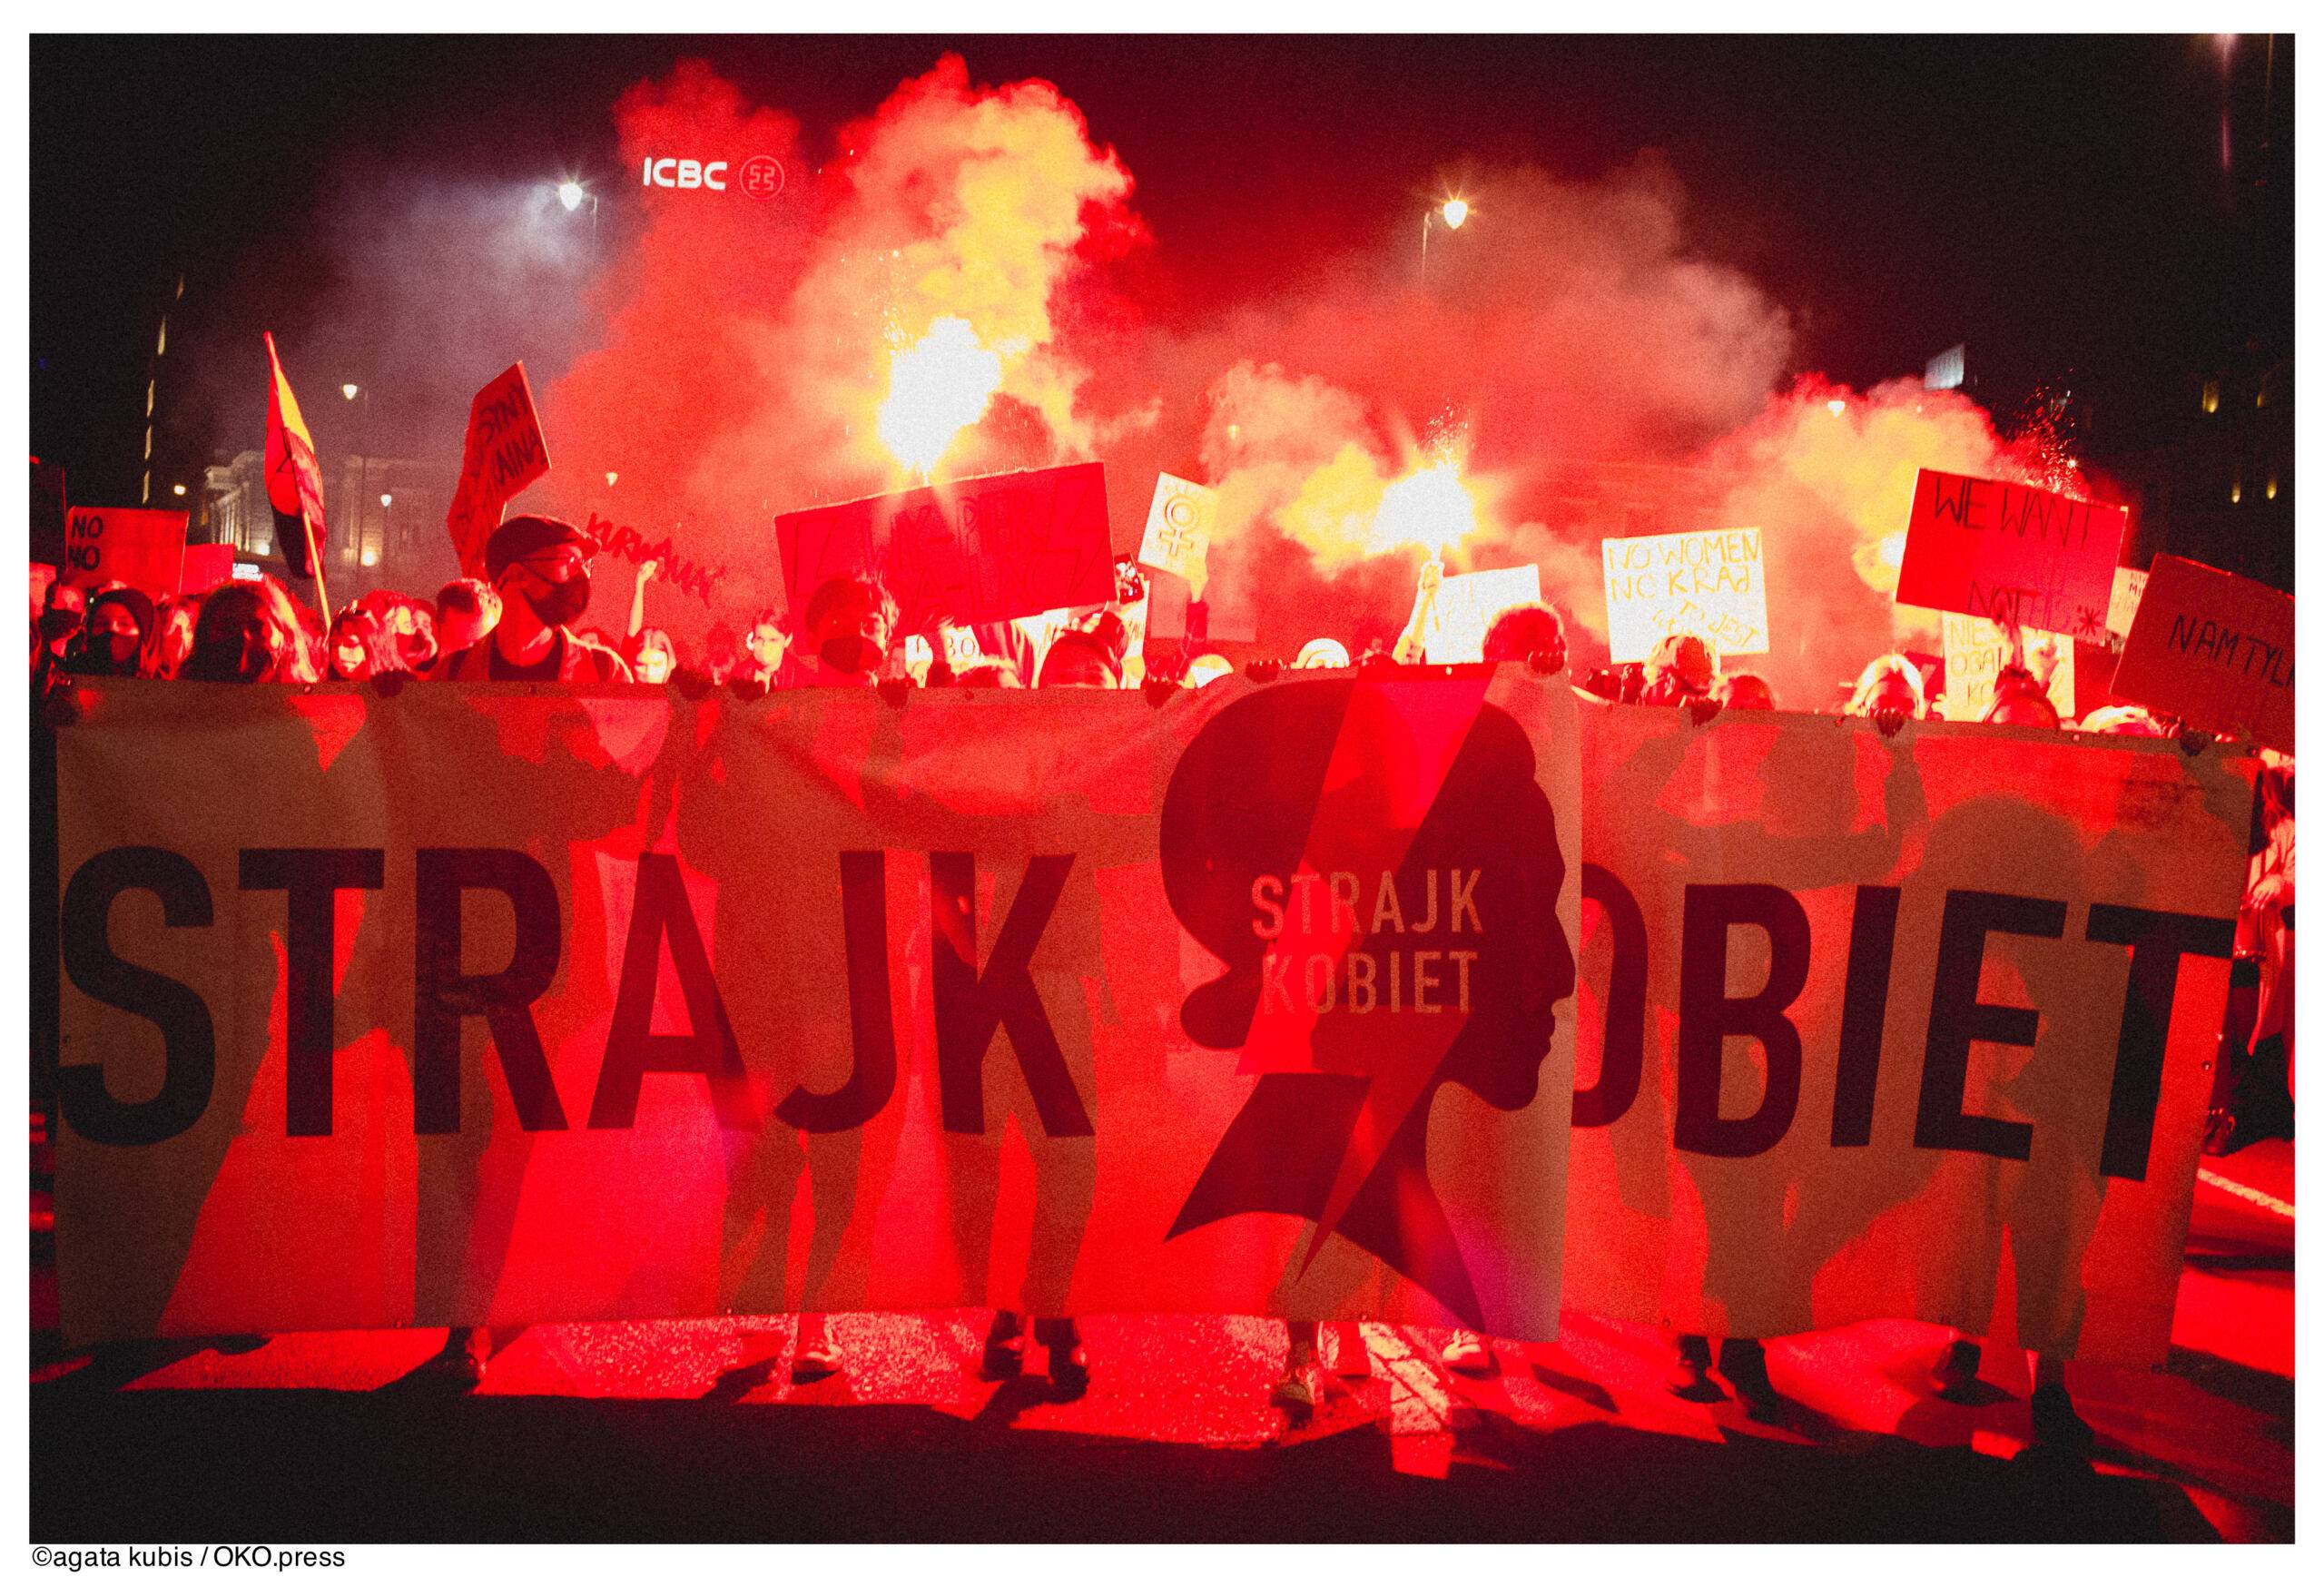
{"x":694,"y":1431}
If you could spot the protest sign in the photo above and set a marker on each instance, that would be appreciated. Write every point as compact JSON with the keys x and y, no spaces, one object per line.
{"x":1466,"y":606}
{"x":973,"y":552}
{"x":2122,"y":608}
{"x":205,"y":565}
{"x":1975,"y":650}
{"x":268,"y":1125}
{"x":2212,"y":648}
{"x":1177,"y":529}
{"x":1711,"y":583}
{"x":142,"y":546}
{"x":502,"y":454}
{"x":1999,"y":551}
{"x":1910,"y":1029}
{"x":676,"y":569}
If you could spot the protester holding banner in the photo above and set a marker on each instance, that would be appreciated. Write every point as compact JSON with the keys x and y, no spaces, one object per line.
{"x":850,"y":625}
{"x":172,"y":637}
{"x":112,"y":640}
{"x":465,"y":612}
{"x":249,"y":633}
{"x":766,"y":663}
{"x":540,"y":567}
{"x":355,"y":650}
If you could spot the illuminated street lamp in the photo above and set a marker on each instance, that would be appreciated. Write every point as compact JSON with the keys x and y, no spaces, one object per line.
{"x":179,"y":489}
{"x":387,"y":499}
{"x":1453,"y":212}
{"x":612,"y":476}
{"x":570,"y":194}
{"x":350,"y":391}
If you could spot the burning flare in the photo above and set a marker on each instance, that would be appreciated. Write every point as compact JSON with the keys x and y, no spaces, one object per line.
{"x":936,"y":388}
{"x":1432,"y":508}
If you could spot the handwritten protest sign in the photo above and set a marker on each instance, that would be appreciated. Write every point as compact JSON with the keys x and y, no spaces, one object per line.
{"x":1466,"y":606}
{"x":1177,"y":529}
{"x":2129,"y":585}
{"x":2214,"y":648}
{"x":205,"y":565}
{"x":973,"y":552}
{"x":142,"y":546}
{"x":1975,"y":653}
{"x":503,"y":455}
{"x":1997,"y":551}
{"x":676,"y":568}
{"x":1711,"y":583}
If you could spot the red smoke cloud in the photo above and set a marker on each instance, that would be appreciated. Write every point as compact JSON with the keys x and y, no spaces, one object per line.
{"x":1591,"y":372}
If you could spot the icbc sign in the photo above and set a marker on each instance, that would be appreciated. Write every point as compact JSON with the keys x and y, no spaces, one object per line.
{"x":758,"y":176}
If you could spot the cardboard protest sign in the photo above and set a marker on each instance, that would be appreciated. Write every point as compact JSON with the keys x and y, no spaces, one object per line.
{"x":1177,"y":529}
{"x":1975,"y":650}
{"x":973,"y":552}
{"x":1711,"y":583}
{"x":142,"y":546}
{"x":1466,"y":606}
{"x":1999,"y":551}
{"x":205,"y":565}
{"x":2122,"y":608}
{"x":504,"y":454}
{"x":2212,"y":648}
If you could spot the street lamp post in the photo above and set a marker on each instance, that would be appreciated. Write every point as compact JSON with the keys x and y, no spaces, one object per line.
{"x":1453,"y":212}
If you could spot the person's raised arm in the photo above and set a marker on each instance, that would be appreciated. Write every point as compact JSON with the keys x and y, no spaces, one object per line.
{"x":646,"y":570}
{"x":1412,"y":646}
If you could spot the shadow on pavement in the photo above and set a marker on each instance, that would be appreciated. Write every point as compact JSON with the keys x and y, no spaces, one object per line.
{"x":327,"y":1467}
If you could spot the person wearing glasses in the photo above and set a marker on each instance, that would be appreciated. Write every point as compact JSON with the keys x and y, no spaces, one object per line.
{"x":540,"y":567}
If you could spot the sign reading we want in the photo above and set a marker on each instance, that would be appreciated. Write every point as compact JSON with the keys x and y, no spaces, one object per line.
{"x":2018,"y":555}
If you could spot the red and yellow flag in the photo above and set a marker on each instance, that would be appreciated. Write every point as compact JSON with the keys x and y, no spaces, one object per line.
{"x":294,"y":481}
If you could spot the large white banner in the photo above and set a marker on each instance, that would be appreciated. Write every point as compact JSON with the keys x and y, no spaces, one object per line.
{"x":1916,"y":1027}
{"x":484,"y":1004}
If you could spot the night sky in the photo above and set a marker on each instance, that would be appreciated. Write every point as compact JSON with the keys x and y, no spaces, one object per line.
{"x":2058,"y":203}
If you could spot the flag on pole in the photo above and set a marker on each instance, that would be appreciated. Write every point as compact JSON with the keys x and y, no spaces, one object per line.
{"x":294,"y":481}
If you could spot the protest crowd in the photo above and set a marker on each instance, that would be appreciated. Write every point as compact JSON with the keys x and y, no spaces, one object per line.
{"x":522,"y":619}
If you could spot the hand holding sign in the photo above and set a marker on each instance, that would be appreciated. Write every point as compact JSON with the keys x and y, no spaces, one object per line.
{"x":974,"y":552}
{"x":1177,"y":529}
{"x":2212,"y":648}
{"x":503,"y":455}
{"x":1999,"y":550}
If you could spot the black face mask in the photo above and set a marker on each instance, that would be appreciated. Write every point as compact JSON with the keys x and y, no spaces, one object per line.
{"x":562,"y":602}
{"x":121,"y":651}
{"x":852,"y":653}
{"x":56,"y":624}
{"x":243,"y":659}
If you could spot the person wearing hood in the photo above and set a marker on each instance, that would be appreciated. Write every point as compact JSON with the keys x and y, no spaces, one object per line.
{"x":113,"y":639}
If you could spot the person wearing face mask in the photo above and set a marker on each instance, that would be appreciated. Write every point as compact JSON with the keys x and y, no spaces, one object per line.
{"x":651,"y":658}
{"x":249,"y":634}
{"x":60,"y":621}
{"x":113,"y":637}
{"x":353,"y":650}
{"x":540,"y":567}
{"x":850,"y":622}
